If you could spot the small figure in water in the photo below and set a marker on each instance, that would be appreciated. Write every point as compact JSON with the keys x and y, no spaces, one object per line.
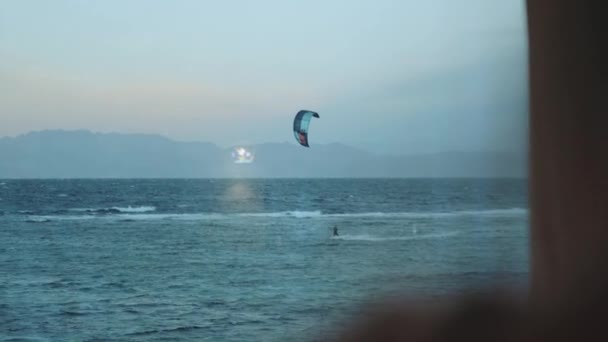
{"x":336,"y":230}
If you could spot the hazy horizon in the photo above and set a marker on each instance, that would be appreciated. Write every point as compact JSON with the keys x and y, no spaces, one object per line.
{"x":84,"y":154}
{"x":386,"y":76}
{"x":293,"y":143}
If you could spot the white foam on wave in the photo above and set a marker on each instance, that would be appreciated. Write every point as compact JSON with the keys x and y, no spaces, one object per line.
{"x":372,"y":238}
{"x":495,"y":212}
{"x":318,"y":213}
{"x":130,"y":209}
{"x":216,"y":216}
{"x":176,"y":217}
{"x":294,"y":214}
{"x":125,"y":217}
{"x":489,"y":212}
{"x":49,"y":218}
{"x":144,"y":213}
{"x":38,"y":220}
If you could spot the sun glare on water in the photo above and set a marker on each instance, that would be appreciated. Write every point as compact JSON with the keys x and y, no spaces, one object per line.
{"x":240,"y":155}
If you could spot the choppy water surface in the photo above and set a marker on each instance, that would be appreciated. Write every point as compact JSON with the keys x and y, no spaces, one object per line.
{"x":242,"y":260}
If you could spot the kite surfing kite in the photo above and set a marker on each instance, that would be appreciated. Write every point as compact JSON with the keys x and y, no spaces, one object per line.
{"x":300,"y":126}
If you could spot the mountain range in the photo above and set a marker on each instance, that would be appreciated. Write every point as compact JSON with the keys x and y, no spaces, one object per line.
{"x":84,"y":154}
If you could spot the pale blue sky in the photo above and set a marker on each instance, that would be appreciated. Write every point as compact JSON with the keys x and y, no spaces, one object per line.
{"x":389,"y":76}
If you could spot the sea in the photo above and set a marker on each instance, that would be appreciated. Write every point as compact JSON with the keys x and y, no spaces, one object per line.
{"x":244,"y":259}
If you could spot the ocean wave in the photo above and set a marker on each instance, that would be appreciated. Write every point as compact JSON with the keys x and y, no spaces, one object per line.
{"x":421,"y":214}
{"x":319,"y":214}
{"x":294,"y":214}
{"x":175,"y":217}
{"x":51,"y":218}
{"x":38,"y":220}
{"x":116,"y":210}
{"x":142,"y":214}
{"x":166,"y":330}
{"x":372,"y":238}
{"x":74,"y":313}
{"x":124,"y":217}
{"x":312,"y":214}
{"x":141,"y":209}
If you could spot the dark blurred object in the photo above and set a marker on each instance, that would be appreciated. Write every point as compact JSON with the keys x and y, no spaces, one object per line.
{"x":568,"y":197}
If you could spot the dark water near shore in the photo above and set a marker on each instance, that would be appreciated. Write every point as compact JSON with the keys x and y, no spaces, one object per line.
{"x":242,"y":260}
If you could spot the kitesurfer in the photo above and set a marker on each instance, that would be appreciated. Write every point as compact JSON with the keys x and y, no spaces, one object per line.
{"x":336,"y":230}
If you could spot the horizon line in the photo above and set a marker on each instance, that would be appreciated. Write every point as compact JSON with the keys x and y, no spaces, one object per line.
{"x":174,"y":140}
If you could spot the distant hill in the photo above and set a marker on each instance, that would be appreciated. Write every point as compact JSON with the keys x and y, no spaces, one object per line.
{"x":83,"y":154}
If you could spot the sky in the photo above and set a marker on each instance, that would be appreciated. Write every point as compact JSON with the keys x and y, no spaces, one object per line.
{"x":398,"y":77}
